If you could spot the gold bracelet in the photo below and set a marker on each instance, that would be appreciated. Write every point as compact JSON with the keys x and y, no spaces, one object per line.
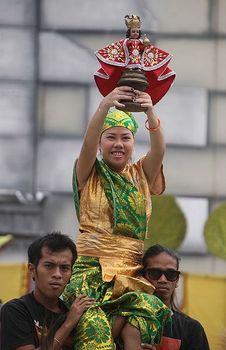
{"x":153,"y":129}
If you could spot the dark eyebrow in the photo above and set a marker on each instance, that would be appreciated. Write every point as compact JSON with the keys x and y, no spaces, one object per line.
{"x":124,"y":134}
{"x":53,"y":263}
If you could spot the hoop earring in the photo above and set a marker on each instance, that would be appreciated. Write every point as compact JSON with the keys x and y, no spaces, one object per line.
{"x":99,"y":154}
{"x":132,"y":159}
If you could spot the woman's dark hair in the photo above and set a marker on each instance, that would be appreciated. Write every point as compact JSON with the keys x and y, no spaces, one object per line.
{"x":155,"y":250}
{"x":128,"y":33}
{"x":55,"y":242}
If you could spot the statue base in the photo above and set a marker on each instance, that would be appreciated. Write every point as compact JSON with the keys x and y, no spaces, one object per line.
{"x":137,"y":80}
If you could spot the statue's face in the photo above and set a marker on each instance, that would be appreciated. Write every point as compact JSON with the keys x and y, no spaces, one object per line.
{"x":134,"y":33}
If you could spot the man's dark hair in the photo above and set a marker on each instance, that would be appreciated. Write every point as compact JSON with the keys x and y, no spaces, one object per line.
{"x":155,"y":250}
{"x":55,"y":242}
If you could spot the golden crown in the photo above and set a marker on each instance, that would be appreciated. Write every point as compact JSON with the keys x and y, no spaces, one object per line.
{"x":132,"y":21}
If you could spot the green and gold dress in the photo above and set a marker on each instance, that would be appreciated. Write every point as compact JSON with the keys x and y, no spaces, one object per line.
{"x":113,"y":210}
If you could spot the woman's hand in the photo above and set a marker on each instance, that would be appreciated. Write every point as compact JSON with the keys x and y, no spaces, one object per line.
{"x":118,"y":94}
{"x":144,"y":99}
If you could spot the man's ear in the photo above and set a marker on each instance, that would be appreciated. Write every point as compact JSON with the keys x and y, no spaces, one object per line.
{"x":31,"y":270}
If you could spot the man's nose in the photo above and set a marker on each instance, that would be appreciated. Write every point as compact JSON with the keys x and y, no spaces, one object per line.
{"x":162,"y":278}
{"x":57,"y":272}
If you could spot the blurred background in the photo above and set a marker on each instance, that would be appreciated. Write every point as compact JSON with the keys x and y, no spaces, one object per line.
{"x":47,"y":95}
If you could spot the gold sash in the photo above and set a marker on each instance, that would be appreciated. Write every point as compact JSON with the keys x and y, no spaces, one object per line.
{"x":117,"y":254}
{"x":120,"y":258}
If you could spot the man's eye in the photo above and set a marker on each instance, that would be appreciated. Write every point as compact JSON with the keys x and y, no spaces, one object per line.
{"x":49,"y":266}
{"x":65,"y":268}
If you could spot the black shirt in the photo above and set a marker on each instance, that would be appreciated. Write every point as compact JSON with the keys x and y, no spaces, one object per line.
{"x":184,"y":333}
{"x":23,"y":319}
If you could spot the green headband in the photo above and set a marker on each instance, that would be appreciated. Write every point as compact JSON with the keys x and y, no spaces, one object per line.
{"x":120,"y":118}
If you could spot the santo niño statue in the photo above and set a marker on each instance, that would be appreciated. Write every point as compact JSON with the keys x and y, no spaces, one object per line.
{"x":134,"y":62}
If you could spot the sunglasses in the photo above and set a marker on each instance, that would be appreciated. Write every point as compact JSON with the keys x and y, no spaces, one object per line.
{"x":155,"y":273}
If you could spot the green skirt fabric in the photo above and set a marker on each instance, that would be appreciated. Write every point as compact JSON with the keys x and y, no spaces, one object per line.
{"x":93,"y":332}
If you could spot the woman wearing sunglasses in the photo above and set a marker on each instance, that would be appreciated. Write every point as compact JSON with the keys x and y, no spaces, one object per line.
{"x":161,"y":268}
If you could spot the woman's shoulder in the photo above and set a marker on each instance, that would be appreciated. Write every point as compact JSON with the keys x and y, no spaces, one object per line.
{"x":134,"y":171}
{"x":136,"y":166}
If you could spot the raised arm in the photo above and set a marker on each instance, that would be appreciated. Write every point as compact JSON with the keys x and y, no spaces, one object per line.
{"x":154,"y":157}
{"x":90,"y":144}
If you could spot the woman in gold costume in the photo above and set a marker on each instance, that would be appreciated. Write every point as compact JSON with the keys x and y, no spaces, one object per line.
{"x":113,"y":203}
